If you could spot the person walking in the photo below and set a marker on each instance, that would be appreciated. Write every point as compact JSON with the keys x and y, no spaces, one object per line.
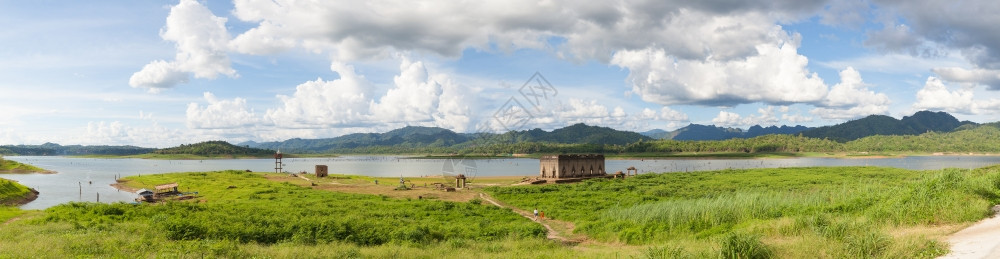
{"x":536,"y":214}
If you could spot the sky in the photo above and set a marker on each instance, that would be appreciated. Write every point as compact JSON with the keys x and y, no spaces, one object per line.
{"x":163,"y":73}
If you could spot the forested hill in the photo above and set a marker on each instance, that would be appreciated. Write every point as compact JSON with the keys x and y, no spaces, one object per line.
{"x":921,"y":122}
{"x":50,"y":149}
{"x":215,"y":148}
{"x":578,"y":134}
{"x":432,"y":137}
{"x":710,"y":132}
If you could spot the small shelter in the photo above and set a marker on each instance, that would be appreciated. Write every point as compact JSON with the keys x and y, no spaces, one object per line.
{"x":145,"y":194}
{"x":631,"y":171}
{"x":460,"y":181}
{"x":321,"y":171}
{"x":165,"y":189}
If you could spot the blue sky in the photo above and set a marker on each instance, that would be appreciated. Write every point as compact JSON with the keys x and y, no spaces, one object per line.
{"x":162,"y":73}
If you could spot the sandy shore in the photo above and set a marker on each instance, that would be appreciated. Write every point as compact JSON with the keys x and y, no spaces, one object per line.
{"x":981,"y":240}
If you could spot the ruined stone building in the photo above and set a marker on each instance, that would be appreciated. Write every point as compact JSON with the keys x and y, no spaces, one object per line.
{"x":571,"y":166}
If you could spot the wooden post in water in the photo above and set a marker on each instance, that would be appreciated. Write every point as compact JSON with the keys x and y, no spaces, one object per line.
{"x":98,"y":197}
{"x":81,"y":188}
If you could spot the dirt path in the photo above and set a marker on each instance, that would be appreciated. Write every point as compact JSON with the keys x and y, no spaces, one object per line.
{"x":552,"y":233}
{"x":977,"y":241}
{"x":11,"y":220}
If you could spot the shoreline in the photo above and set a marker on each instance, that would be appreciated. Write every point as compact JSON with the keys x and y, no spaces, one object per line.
{"x":31,"y":196}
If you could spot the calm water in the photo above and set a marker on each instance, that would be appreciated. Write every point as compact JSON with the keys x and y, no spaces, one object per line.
{"x":83,"y":179}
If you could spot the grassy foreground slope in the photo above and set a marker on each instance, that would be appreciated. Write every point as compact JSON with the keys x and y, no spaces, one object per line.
{"x":243,"y":214}
{"x":789,"y":212}
{"x":12,"y":193}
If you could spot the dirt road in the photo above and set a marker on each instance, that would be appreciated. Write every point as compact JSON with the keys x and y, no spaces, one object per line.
{"x":981,"y":240}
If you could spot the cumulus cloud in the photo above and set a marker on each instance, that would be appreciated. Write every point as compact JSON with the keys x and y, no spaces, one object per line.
{"x":118,"y":133}
{"x":852,"y":91}
{"x":851,"y":99}
{"x":316,"y":104}
{"x":417,"y":97}
{"x":220,"y":114}
{"x":202,"y":42}
{"x":591,"y":29}
{"x":766,"y":117}
{"x":777,"y":75}
{"x":936,"y":96}
{"x":414,"y":99}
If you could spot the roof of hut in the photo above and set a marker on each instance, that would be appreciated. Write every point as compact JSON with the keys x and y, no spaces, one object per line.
{"x":166,"y":186}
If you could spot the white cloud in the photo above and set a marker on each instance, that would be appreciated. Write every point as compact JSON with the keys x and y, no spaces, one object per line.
{"x":852,"y":91}
{"x":778,"y":75}
{"x":417,"y":97}
{"x":765,"y":117}
{"x":118,"y":133}
{"x":988,"y":77}
{"x":220,"y":114}
{"x":728,"y":119}
{"x":936,"y":96}
{"x":851,"y":99}
{"x":689,"y":29}
{"x":202,"y":42}
{"x":796,"y":118}
{"x":158,"y":75}
{"x":414,"y":99}
{"x":343,"y":102}
{"x":670,"y":115}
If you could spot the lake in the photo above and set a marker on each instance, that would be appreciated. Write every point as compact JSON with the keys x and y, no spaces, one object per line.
{"x":83,"y":179}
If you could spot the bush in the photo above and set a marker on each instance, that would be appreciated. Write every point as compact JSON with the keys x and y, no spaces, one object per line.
{"x":744,"y":246}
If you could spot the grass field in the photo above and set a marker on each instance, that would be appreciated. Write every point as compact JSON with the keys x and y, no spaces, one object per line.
{"x":14,"y":167}
{"x":825,"y":212}
{"x":788,"y":212}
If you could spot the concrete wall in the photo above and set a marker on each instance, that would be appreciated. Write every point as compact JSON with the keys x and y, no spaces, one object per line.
{"x":571,"y":166}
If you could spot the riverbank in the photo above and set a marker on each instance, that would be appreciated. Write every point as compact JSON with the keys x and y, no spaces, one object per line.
{"x":14,"y":167}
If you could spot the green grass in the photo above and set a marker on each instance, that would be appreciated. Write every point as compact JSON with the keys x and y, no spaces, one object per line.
{"x":849,"y":210}
{"x":177,"y":156}
{"x":853,"y":212}
{"x":10,"y":166}
{"x":239,"y":214}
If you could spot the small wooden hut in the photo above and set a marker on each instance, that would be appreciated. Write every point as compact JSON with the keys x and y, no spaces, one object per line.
{"x":167,"y":189}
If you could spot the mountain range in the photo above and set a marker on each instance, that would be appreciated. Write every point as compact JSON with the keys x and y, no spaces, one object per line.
{"x":416,"y":138}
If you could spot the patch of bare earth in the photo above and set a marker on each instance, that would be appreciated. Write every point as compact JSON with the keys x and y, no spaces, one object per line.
{"x":981,"y":240}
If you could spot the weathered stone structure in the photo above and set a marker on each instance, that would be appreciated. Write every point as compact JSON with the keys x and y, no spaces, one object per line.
{"x":322,"y":170}
{"x":572,"y":166}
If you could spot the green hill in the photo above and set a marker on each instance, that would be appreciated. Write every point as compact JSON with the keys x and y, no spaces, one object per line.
{"x":432,"y":139}
{"x":209,"y":149}
{"x":920,"y":122}
{"x":51,"y":149}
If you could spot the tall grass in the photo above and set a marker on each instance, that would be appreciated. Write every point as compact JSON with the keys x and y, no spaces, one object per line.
{"x":850,"y":208}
